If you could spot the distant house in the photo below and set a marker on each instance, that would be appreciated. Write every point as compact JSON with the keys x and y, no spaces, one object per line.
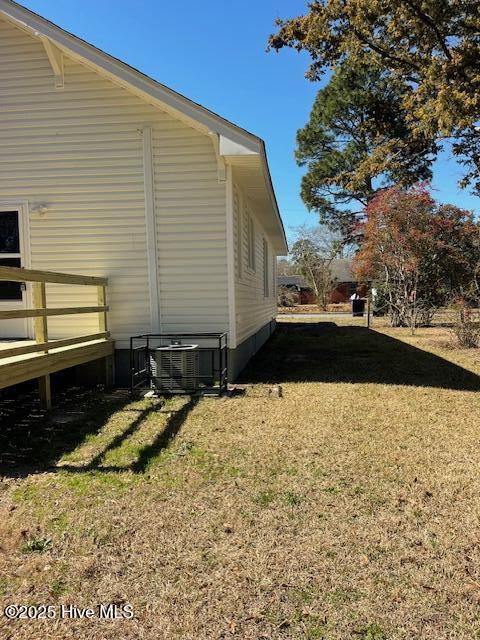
{"x":346,"y":283}
{"x":106,"y":172}
{"x":297,"y":285}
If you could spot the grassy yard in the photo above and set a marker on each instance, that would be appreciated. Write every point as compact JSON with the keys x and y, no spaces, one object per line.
{"x":346,"y":509}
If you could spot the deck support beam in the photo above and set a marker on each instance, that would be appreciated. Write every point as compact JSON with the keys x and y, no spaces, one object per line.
{"x":16,"y":370}
{"x":45,"y":392}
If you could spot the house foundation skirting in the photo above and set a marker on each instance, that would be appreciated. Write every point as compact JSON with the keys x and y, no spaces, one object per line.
{"x":237,"y":358}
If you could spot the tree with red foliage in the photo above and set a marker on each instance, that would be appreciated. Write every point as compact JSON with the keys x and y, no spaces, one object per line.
{"x":420,"y":253}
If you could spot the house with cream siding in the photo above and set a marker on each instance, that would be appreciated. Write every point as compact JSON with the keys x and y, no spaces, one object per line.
{"x":106,"y":172}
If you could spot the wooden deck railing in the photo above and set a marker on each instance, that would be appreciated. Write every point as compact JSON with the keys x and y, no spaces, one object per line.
{"x":40,"y":312}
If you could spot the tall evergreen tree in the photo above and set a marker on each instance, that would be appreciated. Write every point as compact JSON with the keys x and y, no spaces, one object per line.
{"x":357,"y":141}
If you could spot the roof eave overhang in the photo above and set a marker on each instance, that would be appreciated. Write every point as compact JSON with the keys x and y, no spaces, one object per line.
{"x":237,"y":154}
{"x":233,"y":140}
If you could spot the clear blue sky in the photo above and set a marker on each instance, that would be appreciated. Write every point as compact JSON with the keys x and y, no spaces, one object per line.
{"x":213,"y":52}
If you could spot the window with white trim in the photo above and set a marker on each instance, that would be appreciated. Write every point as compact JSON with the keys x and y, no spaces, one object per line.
{"x":266,"y":280}
{"x":10,"y":251}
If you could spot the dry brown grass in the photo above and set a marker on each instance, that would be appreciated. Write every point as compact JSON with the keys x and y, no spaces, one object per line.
{"x":300,"y":308}
{"x":306,"y":309}
{"x":348,"y":508}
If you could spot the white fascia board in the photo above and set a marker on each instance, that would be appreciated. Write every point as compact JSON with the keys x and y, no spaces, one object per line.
{"x":282,"y":247}
{"x":229,"y":147}
{"x":122,"y":73}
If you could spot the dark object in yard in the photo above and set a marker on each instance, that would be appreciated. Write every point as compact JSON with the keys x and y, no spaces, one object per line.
{"x":358,"y":307}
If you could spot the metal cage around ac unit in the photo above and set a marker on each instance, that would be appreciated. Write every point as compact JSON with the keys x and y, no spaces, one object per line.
{"x":179,"y":363}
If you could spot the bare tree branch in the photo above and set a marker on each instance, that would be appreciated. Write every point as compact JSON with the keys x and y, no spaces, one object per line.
{"x":425,"y":18}
{"x":383,"y":52}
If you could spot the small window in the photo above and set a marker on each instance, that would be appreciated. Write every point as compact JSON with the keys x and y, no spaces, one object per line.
{"x":251,"y":243}
{"x":9,"y":232}
{"x":266,"y":278}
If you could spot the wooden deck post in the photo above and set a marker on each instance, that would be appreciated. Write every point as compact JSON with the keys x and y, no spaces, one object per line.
{"x":45,"y":392}
{"x":41,"y":337}
{"x":40,"y":302}
{"x":103,"y":326}
{"x":102,"y":302}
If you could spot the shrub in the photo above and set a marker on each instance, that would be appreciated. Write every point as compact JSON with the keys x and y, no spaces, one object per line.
{"x":287,"y":297}
{"x":467,"y":333}
{"x":467,"y":329}
{"x":37,"y":545}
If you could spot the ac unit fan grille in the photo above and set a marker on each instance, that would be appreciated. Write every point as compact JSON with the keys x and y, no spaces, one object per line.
{"x":175,"y":370}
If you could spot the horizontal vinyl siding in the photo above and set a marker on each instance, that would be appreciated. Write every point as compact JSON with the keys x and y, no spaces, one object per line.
{"x":253,"y":309}
{"x":191,"y":231}
{"x":79,"y":150}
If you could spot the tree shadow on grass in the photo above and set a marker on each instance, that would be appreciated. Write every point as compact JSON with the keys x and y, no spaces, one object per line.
{"x":173,"y":424}
{"x":171,"y":429}
{"x":49,"y":443}
{"x":32,"y":441}
{"x":325,"y":352}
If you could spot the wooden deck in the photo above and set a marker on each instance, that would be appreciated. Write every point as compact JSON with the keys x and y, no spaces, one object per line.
{"x":22,"y":367}
{"x":23,"y":360}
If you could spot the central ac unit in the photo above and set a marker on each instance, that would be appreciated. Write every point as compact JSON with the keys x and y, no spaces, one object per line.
{"x":175,"y":368}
